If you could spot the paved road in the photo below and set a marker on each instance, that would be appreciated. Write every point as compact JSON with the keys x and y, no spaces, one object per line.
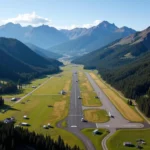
{"x":75,"y":114}
{"x":118,"y":121}
{"x":33,"y":90}
{"x":112,"y":131}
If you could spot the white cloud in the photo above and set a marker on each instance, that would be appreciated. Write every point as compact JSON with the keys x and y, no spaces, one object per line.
{"x":28,"y":19}
{"x":35,"y":20}
{"x":95,"y":23}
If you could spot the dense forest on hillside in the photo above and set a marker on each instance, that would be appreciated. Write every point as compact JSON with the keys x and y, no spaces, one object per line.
{"x":42,"y":52}
{"x":18,"y":139}
{"x":8,"y":87}
{"x":125,"y":64}
{"x":18,"y":62}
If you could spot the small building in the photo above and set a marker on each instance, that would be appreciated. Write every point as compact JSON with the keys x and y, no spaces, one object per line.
{"x":24,"y":124}
{"x":96,"y":131}
{"x":25,"y":117}
{"x":83,"y":120}
{"x":9,"y":120}
{"x":129,"y":144}
{"x":13,"y":99}
{"x":79,"y":97}
{"x":62,"y":92}
{"x":45,"y":126}
{"x":33,"y":86}
{"x":49,"y":125}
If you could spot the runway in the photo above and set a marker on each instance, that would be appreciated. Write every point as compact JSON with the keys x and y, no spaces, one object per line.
{"x":75,"y":114}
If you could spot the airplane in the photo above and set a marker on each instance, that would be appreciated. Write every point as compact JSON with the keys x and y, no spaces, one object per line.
{"x":110,"y":115}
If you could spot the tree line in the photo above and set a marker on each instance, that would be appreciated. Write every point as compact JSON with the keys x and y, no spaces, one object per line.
{"x":19,"y":138}
{"x":1,"y":101}
{"x":8,"y":87}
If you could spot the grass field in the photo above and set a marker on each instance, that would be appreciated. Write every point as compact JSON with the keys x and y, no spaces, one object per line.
{"x":64,"y":124}
{"x":96,"y":115}
{"x":119,"y":103}
{"x":95,"y":139}
{"x":87,"y":92}
{"x":115,"y":142}
{"x":27,"y":87}
{"x":35,"y":106}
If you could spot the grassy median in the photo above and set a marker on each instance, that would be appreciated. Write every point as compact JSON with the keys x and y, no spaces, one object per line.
{"x":87,"y":92}
{"x":115,"y":142}
{"x":96,"y":115}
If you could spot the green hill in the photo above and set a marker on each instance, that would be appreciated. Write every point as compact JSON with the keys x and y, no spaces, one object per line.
{"x":43,"y":52}
{"x":20,"y":62}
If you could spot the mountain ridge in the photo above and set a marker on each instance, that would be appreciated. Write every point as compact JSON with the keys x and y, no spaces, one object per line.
{"x":50,"y":36}
{"x":92,"y":39}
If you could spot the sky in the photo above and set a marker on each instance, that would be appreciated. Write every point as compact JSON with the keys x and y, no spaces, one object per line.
{"x":68,"y":14}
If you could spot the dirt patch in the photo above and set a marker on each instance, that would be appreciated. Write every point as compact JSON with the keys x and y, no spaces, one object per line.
{"x":67,"y":85}
{"x":85,"y":99}
{"x":58,"y":112}
{"x":128,"y":112}
{"x":101,"y":84}
{"x":87,"y":85}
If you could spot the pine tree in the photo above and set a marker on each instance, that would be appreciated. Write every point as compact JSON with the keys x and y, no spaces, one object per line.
{"x":1,"y":101}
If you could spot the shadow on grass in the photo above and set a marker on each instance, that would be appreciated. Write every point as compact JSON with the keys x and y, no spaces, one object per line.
{"x":5,"y":108}
{"x":50,"y":106}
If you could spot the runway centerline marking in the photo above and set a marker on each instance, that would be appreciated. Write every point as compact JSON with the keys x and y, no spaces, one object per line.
{"x":75,"y":96}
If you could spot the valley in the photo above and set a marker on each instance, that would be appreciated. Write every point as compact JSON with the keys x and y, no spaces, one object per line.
{"x":74,"y":75}
{"x":64,"y":112}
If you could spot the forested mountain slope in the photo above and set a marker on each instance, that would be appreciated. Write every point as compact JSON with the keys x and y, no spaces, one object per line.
{"x":43,"y":52}
{"x":125,"y":64}
{"x":18,"y":61}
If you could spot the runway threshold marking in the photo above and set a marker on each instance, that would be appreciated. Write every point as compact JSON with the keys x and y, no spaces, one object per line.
{"x":74,"y":126}
{"x":129,"y":125}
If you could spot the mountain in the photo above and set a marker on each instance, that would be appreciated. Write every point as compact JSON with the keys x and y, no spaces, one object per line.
{"x":125,"y":64}
{"x":74,"y":33}
{"x":42,"y":36}
{"x":87,"y":40}
{"x":20,"y":62}
{"x":43,"y":52}
{"x":120,"y":52}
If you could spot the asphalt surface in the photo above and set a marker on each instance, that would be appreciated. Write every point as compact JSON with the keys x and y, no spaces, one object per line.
{"x":75,"y":114}
{"x":118,"y":121}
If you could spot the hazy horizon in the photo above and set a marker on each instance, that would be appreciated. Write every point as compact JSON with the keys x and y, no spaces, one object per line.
{"x":67,"y":14}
